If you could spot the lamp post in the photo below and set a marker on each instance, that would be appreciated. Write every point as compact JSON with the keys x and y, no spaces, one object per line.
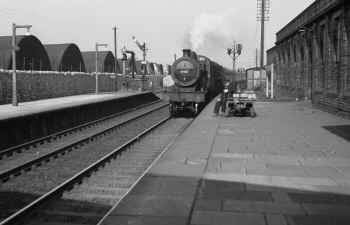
{"x":96,"y":64}
{"x":14,"y":49}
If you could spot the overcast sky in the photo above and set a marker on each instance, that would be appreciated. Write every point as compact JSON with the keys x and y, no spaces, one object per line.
{"x":166,"y":25}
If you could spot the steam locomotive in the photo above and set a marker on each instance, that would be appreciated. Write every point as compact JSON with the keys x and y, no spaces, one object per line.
{"x":196,"y":80}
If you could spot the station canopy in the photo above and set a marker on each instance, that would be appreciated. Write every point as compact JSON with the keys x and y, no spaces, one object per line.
{"x":150,"y":68}
{"x":65,"y":57}
{"x":30,"y":55}
{"x":105,"y":61}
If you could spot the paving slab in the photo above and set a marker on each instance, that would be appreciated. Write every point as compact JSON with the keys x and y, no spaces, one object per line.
{"x":286,"y":166}
{"x":156,"y":200}
{"x":145,"y":220}
{"x":320,"y":198}
{"x":337,"y":209}
{"x":166,"y":186}
{"x":208,"y":204}
{"x":280,"y":196}
{"x":249,"y":196}
{"x":318,"y":220}
{"x":226,"y":218}
{"x":154,"y":206}
{"x":273,"y":219}
{"x":264,"y":207}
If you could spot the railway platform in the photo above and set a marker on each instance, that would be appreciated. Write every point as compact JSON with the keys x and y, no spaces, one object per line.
{"x":34,"y":107}
{"x":289,"y":165}
{"x":33,"y":120}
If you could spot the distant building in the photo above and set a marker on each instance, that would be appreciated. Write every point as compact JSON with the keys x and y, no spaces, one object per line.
{"x":105,"y":61}
{"x":312,"y":55}
{"x":255,"y":79}
{"x":31,"y":54}
{"x":65,"y":57}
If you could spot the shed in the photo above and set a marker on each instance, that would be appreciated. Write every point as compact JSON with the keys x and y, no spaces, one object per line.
{"x":31,"y":54}
{"x":65,"y":57}
{"x":105,"y":61}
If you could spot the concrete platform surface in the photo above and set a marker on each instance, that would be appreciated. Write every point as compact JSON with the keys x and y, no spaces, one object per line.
{"x":27,"y":108}
{"x":288,"y":166}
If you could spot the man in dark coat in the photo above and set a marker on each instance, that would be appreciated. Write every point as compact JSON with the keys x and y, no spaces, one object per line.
{"x":221,"y":102}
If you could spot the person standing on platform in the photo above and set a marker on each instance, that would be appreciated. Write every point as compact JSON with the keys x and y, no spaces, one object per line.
{"x":221,"y":102}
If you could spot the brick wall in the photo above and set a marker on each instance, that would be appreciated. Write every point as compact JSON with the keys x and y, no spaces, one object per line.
{"x":325,"y":78}
{"x":38,"y":85}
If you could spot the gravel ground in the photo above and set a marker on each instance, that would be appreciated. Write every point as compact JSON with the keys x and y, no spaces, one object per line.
{"x":42,"y":179}
{"x":47,"y":147}
{"x":88,"y":202}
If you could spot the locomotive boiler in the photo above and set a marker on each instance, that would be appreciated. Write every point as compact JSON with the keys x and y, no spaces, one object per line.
{"x":196,"y":80}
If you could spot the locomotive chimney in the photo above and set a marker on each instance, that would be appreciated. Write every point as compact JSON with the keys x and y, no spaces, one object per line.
{"x":186,"y":52}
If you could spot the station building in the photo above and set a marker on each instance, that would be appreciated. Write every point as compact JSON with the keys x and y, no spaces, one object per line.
{"x":311,"y":56}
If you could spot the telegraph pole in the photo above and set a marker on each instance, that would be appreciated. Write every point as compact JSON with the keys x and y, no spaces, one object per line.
{"x":262,"y":16}
{"x":115,"y":50}
{"x":262,"y":41}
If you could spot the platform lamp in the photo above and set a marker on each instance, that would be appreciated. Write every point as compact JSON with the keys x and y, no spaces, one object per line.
{"x":14,"y":49}
{"x":96,"y":64}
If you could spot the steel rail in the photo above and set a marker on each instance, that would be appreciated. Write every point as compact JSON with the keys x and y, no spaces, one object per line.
{"x":166,"y":148}
{"x":26,"y":145}
{"x":68,"y":184}
{"x":26,"y":166}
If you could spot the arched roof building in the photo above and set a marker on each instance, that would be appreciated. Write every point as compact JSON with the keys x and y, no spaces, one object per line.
{"x":161,"y":69}
{"x":65,"y":57}
{"x":140,"y":67}
{"x":105,"y":61}
{"x":150,"y":68}
{"x":31,"y":54}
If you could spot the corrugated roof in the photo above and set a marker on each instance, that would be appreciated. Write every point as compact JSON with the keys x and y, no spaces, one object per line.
{"x":150,"y":68}
{"x":161,"y":69}
{"x":65,"y":57}
{"x":30,"y":55}
{"x":105,"y":62}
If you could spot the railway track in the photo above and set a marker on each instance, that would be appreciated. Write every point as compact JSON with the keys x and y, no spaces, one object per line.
{"x":18,"y":159}
{"x":88,"y":195}
{"x":36,"y":177}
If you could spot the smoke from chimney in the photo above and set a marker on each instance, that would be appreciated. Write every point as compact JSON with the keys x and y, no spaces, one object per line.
{"x":212,"y":33}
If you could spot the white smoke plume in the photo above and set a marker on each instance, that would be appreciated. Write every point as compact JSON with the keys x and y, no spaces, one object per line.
{"x":207,"y":27}
{"x":213,"y":33}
